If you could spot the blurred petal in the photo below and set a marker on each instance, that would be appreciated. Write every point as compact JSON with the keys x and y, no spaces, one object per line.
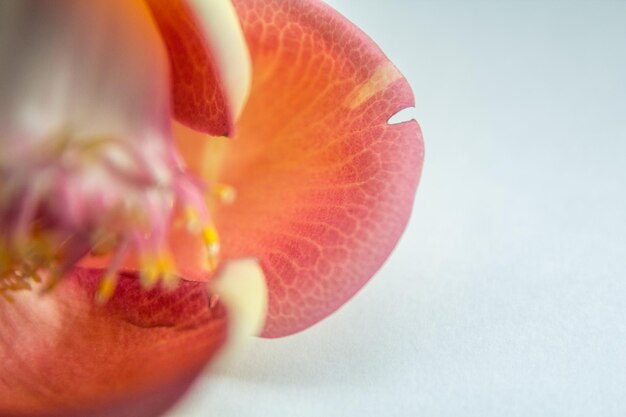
{"x":60,"y":354}
{"x":325,"y":185}
{"x":151,"y":403}
{"x":95,"y":68}
{"x":210,"y":62}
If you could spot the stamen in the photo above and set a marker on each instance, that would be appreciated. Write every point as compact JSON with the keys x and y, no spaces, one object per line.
{"x":55,"y":215}
{"x":226,"y":194}
{"x":168,"y":273}
{"x":21,"y":257}
{"x":108,"y":282}
{"x":212,"y":242}
{"x":208,"y":234}
{"x":155,"y":267}
{"x":148,"y":271}
{"x":106,"y":288}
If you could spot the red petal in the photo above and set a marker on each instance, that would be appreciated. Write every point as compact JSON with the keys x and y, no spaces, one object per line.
{"x":325,"y":186}
{"x":62,"y":355}
{"x":210,"y":74}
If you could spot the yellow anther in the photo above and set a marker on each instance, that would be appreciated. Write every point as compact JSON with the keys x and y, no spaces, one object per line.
{"x":20,"y":260}
{"x":226,"y":194}
{"x":158,"y":267}
{"x":208,"y":233}
{"x":170,"y":279}
{"x":149,"y":272}
{"x":210,"y":236}
{"x":212,"y":242}
{"x":106,"y":288}
{"x":165,"y":263}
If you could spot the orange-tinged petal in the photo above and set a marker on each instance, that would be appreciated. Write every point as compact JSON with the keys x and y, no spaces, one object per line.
{"x":324,"y":184}
{"x":60,"y":354}
{"x":209,"y":59}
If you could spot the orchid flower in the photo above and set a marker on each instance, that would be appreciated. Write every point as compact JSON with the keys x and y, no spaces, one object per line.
{"x":177,"y":174}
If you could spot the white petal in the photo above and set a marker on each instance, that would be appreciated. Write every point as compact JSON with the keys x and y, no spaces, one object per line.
{"x":241,"y":286}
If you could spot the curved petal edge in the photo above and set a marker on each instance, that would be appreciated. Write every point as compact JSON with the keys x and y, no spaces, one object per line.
{"x":325,"y":185}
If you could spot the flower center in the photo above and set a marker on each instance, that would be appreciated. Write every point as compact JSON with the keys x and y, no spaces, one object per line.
{"x":79,"y":196}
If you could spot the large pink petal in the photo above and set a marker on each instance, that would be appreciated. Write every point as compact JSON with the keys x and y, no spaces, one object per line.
{"x":61,"y":355}
{"x":325,"y":185}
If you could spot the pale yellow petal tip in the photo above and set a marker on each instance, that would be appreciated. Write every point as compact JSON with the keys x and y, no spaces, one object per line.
{"x":225,"y":37}
{"x":242,"y":287}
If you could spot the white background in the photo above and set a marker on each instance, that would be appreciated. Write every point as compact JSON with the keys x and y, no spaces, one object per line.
{"x":507,"y":294}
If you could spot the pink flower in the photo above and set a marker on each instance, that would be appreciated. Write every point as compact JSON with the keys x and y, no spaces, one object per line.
{"x":113,"y":194}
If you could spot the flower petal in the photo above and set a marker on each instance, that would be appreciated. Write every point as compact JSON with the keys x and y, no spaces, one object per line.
{"x":80,"y":67}
{"x":61,"y":354}
{"x":209,"y":59}
{"x":325,"y":185}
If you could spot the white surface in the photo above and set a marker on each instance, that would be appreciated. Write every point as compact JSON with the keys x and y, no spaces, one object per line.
{"x":507,"y":295}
